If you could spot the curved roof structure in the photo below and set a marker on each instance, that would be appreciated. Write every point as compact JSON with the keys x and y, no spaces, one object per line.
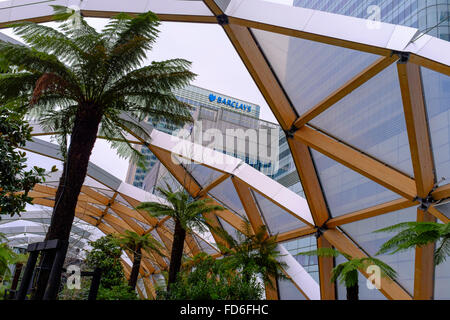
{"x":365,"y":111}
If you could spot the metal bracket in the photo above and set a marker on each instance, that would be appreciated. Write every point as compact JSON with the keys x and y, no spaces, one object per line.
{"x":425,"y":202}
{"x":222,"y":19}
{"x":320,"y":231}
{"x":290,"y":133}
{"x":403,"y":56}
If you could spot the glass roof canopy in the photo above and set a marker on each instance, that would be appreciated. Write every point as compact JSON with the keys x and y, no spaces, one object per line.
{"x":369,"y":136}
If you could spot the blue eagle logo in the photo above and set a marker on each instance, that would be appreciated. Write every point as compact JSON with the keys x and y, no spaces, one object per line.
{"x":212,"y":97}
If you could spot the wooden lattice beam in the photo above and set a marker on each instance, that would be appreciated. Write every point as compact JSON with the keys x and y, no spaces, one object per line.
{"x":424,"y":264}
{"x":327,"y":288}
{"x":370,"y":212}
{"x":389,"y":288}
{"x":310,"y":181}
{"x":417,"y":127}
{"x":359,"y":162}
{"x":358,"y":80}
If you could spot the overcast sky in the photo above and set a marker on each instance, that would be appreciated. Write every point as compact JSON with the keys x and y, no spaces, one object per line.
{"x":214,"y":60}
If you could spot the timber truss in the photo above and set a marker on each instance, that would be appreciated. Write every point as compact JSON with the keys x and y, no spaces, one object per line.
{"x":271,"y":40}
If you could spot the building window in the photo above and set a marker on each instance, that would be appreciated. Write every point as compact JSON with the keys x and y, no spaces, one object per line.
{"x":208,"y":114}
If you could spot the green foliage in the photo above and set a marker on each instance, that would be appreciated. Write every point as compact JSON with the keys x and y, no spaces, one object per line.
{"x":8,"y":257}
{"x":73,"y":69}
{"x":252,"y":253}
{"x":187,"y":213}
{"x":347,"y":272}
{"x":412,"y":234}
{"x":76,"y":294}
{"x":14,"y":178}
{"x":180,"y":207}
{"x":119,"y":292}
{"x":132,"y":241}
{"x":203,"y":278}
{"x":105,"y":254}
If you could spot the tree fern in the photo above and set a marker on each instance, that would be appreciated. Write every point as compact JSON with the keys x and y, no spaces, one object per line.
{"x":412,"y":234}
{"x":73,"y":65}
{"x":78,"y":82}
{"x":347,"y":272}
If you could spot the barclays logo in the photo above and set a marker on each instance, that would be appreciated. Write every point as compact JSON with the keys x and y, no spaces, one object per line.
{"x":230,"y":103}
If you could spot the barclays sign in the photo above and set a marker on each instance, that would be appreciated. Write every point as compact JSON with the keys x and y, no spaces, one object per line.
{"x":230,"y":103}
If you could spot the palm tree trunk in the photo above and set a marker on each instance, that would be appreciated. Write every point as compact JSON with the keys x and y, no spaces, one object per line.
{"x":353,"y":292}
{"x":82,"y":142}
{"x":177,"y":252}
{"x":135,"y":269}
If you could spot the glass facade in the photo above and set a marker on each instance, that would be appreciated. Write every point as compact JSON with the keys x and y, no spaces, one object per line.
{"x":429,"y":16}
{"x":378,"y":129}
{"x":346,"y":190}
{"x":213,"y":110}
{"x":371,"y":118}
{"x":304,"y":244}
{"x":362,"y":233}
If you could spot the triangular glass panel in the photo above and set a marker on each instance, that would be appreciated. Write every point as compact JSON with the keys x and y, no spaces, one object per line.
{"x":444,"y":209}
{"x":288,"y":290}
{"x":88,"y":181}
{"x":362,"y":233}
{"x":372,"y":120}
{"x":170,"y":225}
{"x":277,"y":219}
{"x":304,"y":244}
{"x":155,"y":235}
{"x":107,"y":193}
{"x":166,"y":178}
{"x":223,"y":4}
{"x":364,"y":292}
{"x":230,"y":229}
{"x":203,"y":175}
{"x":204,"y":246}
{"x":437,"y":97}
{"x":227,"y":195}
{"x":287,"y":174}
{"x":309,"y":71}
{"x":346,"y":190}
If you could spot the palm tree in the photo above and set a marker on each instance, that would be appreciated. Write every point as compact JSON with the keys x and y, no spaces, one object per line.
{"x":135,"y":243}
{"x":412,"y":234}
{"x":188,"y":214}
{"x":347,"y":272}
{"x":83,"y":83}
{"x":252,"y":253}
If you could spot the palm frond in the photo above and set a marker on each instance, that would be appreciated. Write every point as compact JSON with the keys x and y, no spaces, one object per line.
{"x":386,"y":270}
{"x":15,"y":86}
{"x":411,"y":234}
{"x":442,"y":251}
{"x":113,"y":132}
{"x":124,"y":56}
{"x":35,"y":61}
{"x":47,"y":39}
